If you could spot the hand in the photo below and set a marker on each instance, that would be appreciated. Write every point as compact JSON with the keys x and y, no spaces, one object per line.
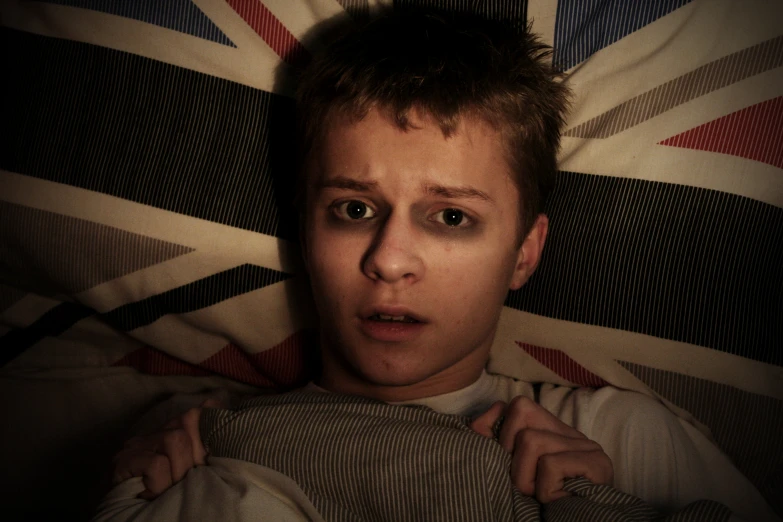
{"x":162,"y":459}
{"x":544,"y":450}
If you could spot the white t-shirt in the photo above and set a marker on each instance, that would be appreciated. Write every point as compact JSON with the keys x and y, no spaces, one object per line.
{"x":658,"y":457}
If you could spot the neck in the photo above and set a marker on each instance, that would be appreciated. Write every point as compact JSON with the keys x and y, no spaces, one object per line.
{"x":342,"y":378}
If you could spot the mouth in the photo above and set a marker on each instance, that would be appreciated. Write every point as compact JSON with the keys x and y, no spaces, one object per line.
{"x":392,"y":318}
{"x":392,"y":324}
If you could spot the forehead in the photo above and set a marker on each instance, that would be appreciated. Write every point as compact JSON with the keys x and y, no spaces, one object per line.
{"x":376,"y":148}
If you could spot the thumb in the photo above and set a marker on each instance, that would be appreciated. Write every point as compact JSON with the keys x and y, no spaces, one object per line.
{"x":190,"y":423}
{"x":484,"y":424}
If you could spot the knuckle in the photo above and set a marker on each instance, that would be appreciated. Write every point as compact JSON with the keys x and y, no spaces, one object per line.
{"x":547,"y":462}
{"x":527,"y":441}
{"x":520,"y":403}
{"x":525,"y":410}
{"x":175,"y":438}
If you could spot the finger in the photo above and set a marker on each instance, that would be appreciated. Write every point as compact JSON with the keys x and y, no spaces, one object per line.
{"x":212,"y":402}
{"x":523,"y":414}
{"x":190,"y":420}
{"x":484,"y":424}
{"x":153,"y":468}
{"x":555,"y":468}
{"x":177,"y":446}
{"x":532,"y":445}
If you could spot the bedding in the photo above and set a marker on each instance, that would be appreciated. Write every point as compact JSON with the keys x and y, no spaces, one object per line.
{"x":227,"y":489}
{"x":148,"y":244}
{"x":372,"y":461}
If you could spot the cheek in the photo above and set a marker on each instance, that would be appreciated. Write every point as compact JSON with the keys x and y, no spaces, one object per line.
{"x":472,"y":274}
{"x":484,"y":276}
{"x":332,"y":261}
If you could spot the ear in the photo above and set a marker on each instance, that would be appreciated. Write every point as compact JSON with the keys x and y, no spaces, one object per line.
{"x":529,"y":253}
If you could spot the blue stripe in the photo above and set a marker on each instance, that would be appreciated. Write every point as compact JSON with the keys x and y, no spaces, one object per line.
{"x":193,"y":296}
{"x":584,"y":27}
{"x":150,"y":132}
{"x":180,"y":15}
{"x":51,"y":324}
{"x":672,"y":261}
{"x":186,"y":298}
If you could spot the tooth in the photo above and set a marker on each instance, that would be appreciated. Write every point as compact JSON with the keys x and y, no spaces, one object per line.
{"x":399,"y":318}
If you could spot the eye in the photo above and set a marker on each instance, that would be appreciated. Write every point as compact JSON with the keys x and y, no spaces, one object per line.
{"x":451,"y":217}
{"x":354,"y":210}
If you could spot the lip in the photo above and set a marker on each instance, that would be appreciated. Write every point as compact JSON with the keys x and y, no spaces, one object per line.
{"x":391,"y":332}
{"x":393,"y":310}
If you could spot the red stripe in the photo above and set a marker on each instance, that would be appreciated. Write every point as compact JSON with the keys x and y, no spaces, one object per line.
{"x":563,"y":365}
{"x":268,"y":27}
{"x":154,"y":362}
{"x":287,"y":365}
{"x":291,"y":363}
{"x":755,"y":133}
{"x":235,"y":364}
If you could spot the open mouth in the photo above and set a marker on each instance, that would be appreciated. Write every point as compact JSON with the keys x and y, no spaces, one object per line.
{"x":396,"y":325}
{"x":392,"y":318}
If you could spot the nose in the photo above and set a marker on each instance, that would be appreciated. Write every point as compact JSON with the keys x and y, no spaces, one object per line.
{"x":393,"y":256}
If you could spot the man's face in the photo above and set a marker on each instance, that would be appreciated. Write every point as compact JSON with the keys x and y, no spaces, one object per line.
{"x":411,"y":245}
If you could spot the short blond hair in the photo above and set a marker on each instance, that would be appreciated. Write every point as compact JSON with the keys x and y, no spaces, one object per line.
{"x":447,"y":66}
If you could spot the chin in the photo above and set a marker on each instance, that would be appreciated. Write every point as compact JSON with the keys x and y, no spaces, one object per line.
{"x":393,"y":375}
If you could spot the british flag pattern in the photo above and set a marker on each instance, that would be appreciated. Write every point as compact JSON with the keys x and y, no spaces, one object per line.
{"x":146,"y":180}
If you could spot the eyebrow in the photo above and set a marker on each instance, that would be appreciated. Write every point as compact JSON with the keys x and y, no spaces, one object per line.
{"x":464,"y":192}
{"x":348,"y":184}
{"x":434,"y":189}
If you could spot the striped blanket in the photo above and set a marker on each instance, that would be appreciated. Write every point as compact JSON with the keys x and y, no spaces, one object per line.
{"x":360,"y":459}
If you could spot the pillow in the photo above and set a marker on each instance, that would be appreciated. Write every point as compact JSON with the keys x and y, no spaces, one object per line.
{"x":147,"y":171}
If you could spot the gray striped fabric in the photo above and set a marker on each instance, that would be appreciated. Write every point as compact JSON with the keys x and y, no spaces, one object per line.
{"x":359,"y":459}
{"x":710,"y":77}
{"x":67,"y":244}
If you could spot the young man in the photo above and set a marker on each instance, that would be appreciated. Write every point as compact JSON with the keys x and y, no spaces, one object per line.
{"x":428,"y":148}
